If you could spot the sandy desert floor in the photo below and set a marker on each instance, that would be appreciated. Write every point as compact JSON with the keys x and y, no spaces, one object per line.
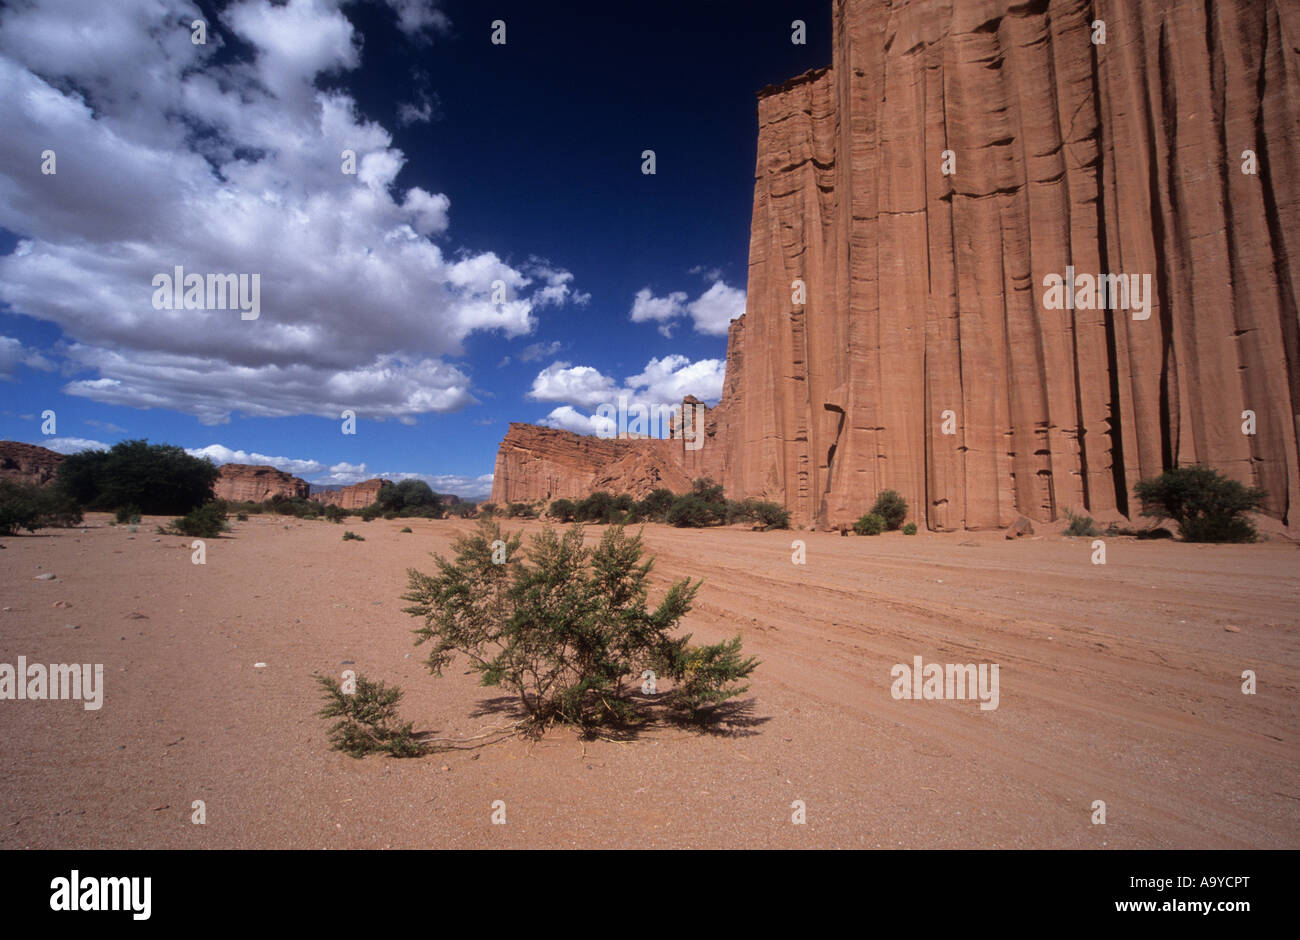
{"x":1119,"y":683}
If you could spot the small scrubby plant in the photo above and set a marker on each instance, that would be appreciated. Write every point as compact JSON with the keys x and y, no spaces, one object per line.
{"x":405,"y":528}
{"x":1081,"y":526}
{"x":909,"y":529}
{"x":891,"y":507}
{"x":350,"y":536}
{"x":367,"y":719}
{"x":869,"y":524}
{"x":204,"y":522}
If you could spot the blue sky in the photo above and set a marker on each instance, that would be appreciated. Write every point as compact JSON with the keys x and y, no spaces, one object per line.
{"x":479,"y":165}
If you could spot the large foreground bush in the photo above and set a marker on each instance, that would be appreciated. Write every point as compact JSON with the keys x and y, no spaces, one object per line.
{"x":30,"y":507}
{"x":566,"y":628}
{"x":206,"y":522}
{"x":1207,"y":506}
{"x":155,"y":479}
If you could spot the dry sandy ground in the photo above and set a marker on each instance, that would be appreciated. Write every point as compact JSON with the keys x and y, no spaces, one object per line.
{"x":1119,"y":683}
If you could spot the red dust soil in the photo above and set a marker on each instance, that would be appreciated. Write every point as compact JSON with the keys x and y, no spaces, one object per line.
{"x":1119,"y":682}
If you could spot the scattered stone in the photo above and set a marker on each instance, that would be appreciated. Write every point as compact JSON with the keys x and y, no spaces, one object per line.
{"x":1232,"y":629}
{"x":259,"y":665}
{"x":136,"y":615}
{"x":71,"y":626}
{"x":1021,"y":526}
{"x":48,"y":576}
{"x":60,"y":604}
{"x":347,"y":662}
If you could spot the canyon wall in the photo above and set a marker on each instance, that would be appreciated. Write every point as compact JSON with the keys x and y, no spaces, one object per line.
{"x":545,"y":463}
{"x":925,"y":186}
{"x":356,"y":496}
{"x":27,"y":463}
{"x":240,"y":482}
{"x":925,"y":291}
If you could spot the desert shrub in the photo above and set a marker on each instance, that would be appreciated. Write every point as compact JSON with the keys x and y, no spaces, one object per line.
{"x":691,"y":512}
{"x":248,"y":507}
{"x":561,"y":509}
{"x":521,"y":511}
{"x":772,"y":515}
{"x":909,"y":529}
{"x":241,"y":517}
{"x":1207,"y":506}
{"x":156,"y":479}
{"x":127,"y":514}
{"x":408,"y":498}
{"x":367,"y":719}
{"x":204,"y":522}
{"x":31,"y":507}
{"x":295,"y":506}
{"x":595,"y":507}
{"x":1082,"y":526}
{"x":405,"y":528}
{"x":891,"y":507}
{"x":655,"y":506}
{"x":370,"y":513}
{"x":565,"y":628}
{"x":334,"y":513}
{"x":461,"y":509}
{"x":487,"y":510}
{"x":350,"y":536}
{"x":869,"y":524}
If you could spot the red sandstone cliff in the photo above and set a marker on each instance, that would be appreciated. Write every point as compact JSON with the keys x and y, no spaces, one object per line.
{"x":544,"y":463}
{"x":27,"y":463}
{"x":254,"y":483}
{"x":925,"y":291}
{"x":356,"y":496}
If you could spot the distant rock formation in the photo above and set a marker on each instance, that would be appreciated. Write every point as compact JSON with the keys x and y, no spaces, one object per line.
{"x":241,"y":482}
{"x":27,"y":463}
{"x":545,"y":463}
{"x":921,"y":193}
{"x":356,"y":496}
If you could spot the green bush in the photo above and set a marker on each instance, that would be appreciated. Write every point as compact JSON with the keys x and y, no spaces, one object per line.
{"x":487,"y":510}
{"x":869,"y":524}
{"x":30,"y":507}
{"x":408,"y":498}
{"x":350,"y":536}
{"x":1081,"y":526}
{"x":655,"y":506}
{"x":155,"y":479}
{"x":566,"y":628}
{"x":521,"y":511}
{"x":405,"y":528}
{"x":909,"y":529}
{"x":370,"y":513}
{"x":596,"y":507}
{"x":242,"y":517}
{"x":561,"y":510}
{"x":461,"y":509}
{"x":127,"y":514}
{"x":691,"y":511}
{"x":205,"y":522}
{"x":1207,"y":506}
{"x":334,"y":513}
{"x":367,"y":719}
{"x":295,"y":506}
{"x":891,"y":507}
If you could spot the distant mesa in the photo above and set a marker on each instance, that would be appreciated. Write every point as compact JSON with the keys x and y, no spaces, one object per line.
{"x":923,"y":292}
{"x":241,"y":483}
{"x":356,"y":496}
{"x":27,"y":463}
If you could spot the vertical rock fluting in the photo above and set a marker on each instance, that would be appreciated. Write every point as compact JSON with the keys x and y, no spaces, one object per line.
{"x":925,"y":291}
